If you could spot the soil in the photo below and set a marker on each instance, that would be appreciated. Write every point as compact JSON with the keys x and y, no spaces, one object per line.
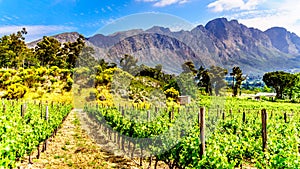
{"x":72,"y":147}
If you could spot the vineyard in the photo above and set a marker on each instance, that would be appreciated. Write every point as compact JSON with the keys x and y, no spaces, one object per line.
{"x":234,"y":134}
{"x":138,"y":109}
{"x":26,"y":126}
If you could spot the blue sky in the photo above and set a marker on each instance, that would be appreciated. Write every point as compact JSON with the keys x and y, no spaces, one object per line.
{"x":49,"y":17}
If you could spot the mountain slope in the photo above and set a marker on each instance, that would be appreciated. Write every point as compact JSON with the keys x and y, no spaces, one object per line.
{"x":152,"y":49}
{"x":284,"y":40}
{"x":220,"y":42}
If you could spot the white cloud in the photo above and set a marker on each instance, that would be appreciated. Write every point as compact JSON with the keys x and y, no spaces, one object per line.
{"x":36,"y":31}
{"x":280,"y":13}
{"x":163,"y":3}
{"x":227,"y":5}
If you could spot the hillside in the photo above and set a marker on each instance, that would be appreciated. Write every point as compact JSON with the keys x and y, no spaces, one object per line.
{"x":220,"y":42}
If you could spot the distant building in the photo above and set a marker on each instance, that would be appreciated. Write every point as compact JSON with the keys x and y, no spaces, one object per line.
{"x":263,"y":94}
{"x":183,"y":100}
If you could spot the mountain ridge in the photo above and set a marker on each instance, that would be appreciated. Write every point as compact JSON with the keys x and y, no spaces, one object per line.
{"x":220,"y":42}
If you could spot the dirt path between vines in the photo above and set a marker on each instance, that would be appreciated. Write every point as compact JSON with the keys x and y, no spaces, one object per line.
{"x":72,"y":147}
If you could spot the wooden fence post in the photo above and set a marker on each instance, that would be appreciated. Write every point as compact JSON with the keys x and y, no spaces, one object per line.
{"x":148,"y":116}
{"x":171,"y":114}
{"x":264,"y":129}
{"x":4,"y":108}
{"x":123,"y":111}
{"x":223,"y":115}
{"x":244,"y":117}
{"x":285,"y":117}
{"x":201,"y":121}
{"x":46,"y":118}
{"x":23,"y":107}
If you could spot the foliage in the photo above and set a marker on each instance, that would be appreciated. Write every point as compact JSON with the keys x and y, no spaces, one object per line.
{"x":188,"y":67}
{"x":171,"y":93}
{"x":128,"y":63}
{"x":14,"y":52}
{"x":280,"y":81}
{"x":233,"y":143}
{"x":48,"y":52}
{"x":212,"y":78}
{"x":217,"y":76}
{"x":15,"y":91}
{"x":237,"y":76}
{"x":40,"y":80}
{"x":86,"y":58}
{"x":155,"y":73}
{"x":204,"y":80}
{"x":20,"y":136}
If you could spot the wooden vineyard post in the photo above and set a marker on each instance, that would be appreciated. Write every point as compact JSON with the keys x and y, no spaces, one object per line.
{"x":148,"y":116}
{"x":41,"y":107}
{"x":223,"y":115}
{"x":285,"y":118}
{"x":230,"y":112}
{"x":171,"y":114}
{"x":271,"y":114}
{"x":23,"y":107}
{"x":4,"y":107}
{"x":201,"y":121}
{"x":123,"y":111}
{"x":264,"y":129}
{"x":38,"y":152}
{"x":244,"y":117}
{"x":46,"y":118}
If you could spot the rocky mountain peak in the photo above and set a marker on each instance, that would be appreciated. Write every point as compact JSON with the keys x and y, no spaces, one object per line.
{"x":158,"y":29}
{"x":284,"y":40}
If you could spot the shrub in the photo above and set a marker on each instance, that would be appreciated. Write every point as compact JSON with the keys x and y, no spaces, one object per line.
{"x":172,"y":93}
{"x":16,"y":91}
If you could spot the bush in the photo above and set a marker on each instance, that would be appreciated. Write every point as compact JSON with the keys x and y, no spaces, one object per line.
{"x":16,"y":91}
{"x":172,"y":93}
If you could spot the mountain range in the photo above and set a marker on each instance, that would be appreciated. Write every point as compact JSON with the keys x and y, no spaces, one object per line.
{"x":220,"y":42}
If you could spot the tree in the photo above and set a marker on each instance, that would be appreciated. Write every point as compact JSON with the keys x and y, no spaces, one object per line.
{"x":280,"y":81}
{"x":203,"y":79}
{"x":13,"y":50}
{"x":128,"y":63}
{"x":72,"y":50}
{"x":217,"y":76}
{"x":188,"y":67}
{"x":49,"y":53}
{"x":237,"y":79}
{"x":86,"y":58}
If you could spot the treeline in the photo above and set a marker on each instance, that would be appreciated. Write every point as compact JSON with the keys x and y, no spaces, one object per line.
{"x":212,"y":79}
{"x":46,"y":68}
{"x":38,"y":81}
{"x":14,"y":52}
{"x":286,"y":85}
{"x":78,"y":59}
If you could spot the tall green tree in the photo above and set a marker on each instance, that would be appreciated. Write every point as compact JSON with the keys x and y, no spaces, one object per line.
{"x":128,"y":63}
{"x":188,"y":67}
{"x":86,"y":58}
{"x":217,"y":78}
{"x":48,"y":51}
{"x":280,"y":81}
{"x":72,"y":50}
{"x":14,"y":52}
{"x":203,"y":79}
{"x":237,"y":76}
